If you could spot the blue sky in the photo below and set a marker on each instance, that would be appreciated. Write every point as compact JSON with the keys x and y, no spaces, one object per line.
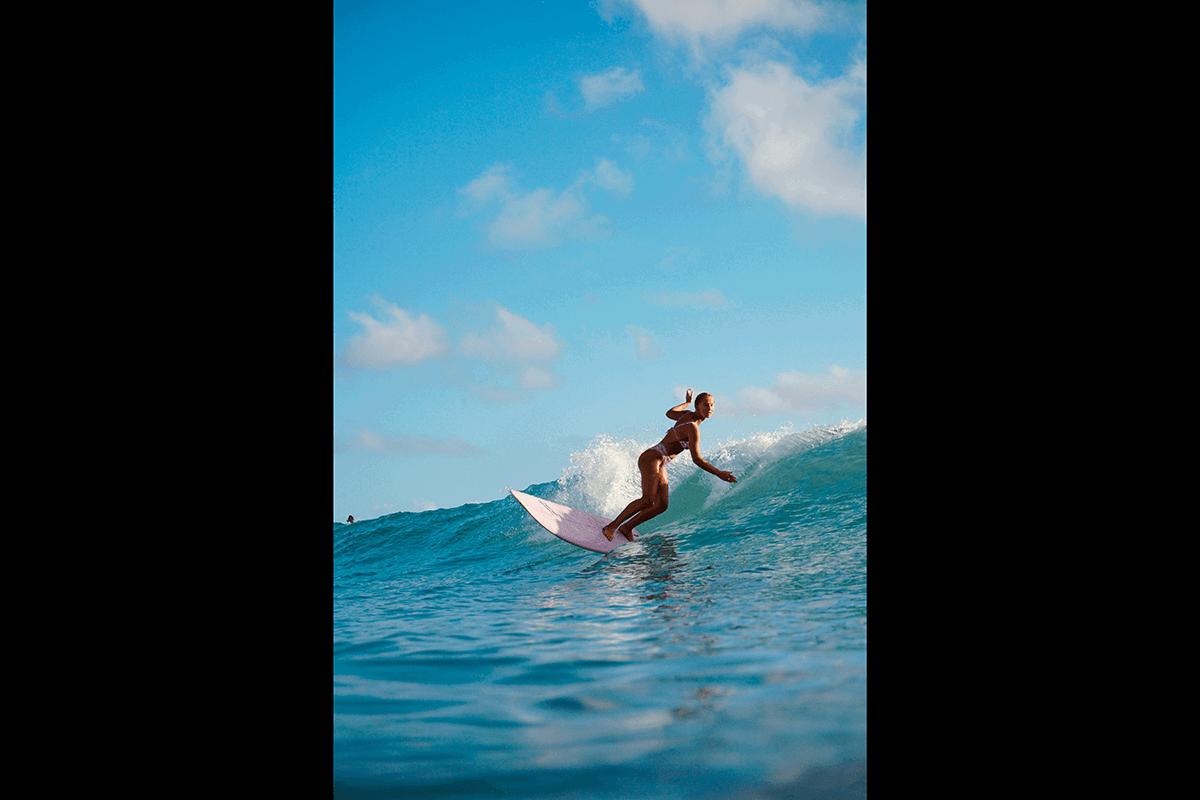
{"x":551,"y":218}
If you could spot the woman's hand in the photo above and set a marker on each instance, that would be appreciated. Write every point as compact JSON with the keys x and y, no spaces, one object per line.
{"x":726,"y":476}
{"x":689,"y":396}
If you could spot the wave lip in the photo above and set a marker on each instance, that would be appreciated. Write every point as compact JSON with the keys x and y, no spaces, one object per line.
{"x":603,"y":477}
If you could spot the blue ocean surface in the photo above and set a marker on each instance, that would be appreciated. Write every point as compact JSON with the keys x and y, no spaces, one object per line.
{"x":722,"y":655}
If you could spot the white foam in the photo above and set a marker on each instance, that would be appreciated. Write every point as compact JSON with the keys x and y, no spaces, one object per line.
{"x":603,"y":477}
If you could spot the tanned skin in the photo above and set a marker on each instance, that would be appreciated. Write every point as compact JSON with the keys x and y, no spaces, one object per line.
{"x":652,"y":464}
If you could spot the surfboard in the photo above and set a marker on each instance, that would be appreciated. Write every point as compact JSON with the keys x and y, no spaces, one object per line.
{"x":570,"y":524}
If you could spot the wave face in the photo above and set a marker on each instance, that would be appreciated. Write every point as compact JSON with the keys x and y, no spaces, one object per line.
{"x":724,"y":652}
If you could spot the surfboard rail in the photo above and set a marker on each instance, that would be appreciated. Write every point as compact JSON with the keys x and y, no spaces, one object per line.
{"x":570,"y":524}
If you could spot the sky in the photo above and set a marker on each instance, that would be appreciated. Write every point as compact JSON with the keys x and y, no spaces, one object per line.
{"x":553,"y":217}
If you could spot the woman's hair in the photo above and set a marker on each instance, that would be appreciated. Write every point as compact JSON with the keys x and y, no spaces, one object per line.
{"x":701,"y":396}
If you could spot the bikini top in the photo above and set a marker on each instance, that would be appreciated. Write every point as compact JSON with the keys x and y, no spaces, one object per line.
{"x":683,"y":442}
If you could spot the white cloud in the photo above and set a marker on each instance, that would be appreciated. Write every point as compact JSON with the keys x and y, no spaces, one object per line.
{"x":609,"y":87}
{"x":402,"y":340}
{"x":672,"y":255}
{"x":494,"y":182}
{"x":608,"y":175}
{"x":514,"y":338}
{"x":511,"y":359}
{"x":644,"y":344}
{"x":718,"y":22}
{"x":367,"y":439}
{"x":798,"y":393}
{"x":543,"y":217}
{"x":794,"y":138}
{"x":538,"y":379}
{"x":519,"y":353}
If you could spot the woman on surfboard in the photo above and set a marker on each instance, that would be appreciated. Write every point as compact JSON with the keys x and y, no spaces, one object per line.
{"x":653,"y":465}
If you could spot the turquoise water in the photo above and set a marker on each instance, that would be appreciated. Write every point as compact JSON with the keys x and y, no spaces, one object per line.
{"x":722,"y":655}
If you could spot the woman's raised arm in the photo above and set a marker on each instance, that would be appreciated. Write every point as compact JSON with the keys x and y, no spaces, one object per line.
{"x":681,"y":409}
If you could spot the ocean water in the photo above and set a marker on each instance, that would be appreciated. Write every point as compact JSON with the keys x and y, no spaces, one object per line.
{"x":722,"y":655}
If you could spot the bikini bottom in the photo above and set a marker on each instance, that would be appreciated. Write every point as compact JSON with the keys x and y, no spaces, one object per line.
{"x":666,"y":457}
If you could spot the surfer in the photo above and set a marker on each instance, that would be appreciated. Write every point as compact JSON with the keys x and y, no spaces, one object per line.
{"x":653,"y":465}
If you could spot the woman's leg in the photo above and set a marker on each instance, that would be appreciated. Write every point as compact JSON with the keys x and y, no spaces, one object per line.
{"x":653,"y":500}
{"x":657,"y":505}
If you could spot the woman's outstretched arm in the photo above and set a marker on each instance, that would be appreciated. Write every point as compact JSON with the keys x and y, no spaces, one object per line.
{"x":700,"y":461}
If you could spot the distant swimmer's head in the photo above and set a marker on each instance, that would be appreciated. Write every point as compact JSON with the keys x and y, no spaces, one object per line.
{"x":351,"y":518}
{"x":704,"y":405}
